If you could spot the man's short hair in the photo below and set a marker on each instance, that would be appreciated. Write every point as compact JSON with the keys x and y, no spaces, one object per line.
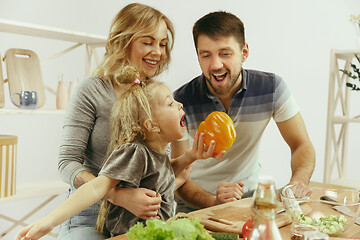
{"x":220,"y":23}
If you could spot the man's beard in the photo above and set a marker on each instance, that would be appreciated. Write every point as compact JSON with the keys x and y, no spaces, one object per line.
{"x":222,"y":91}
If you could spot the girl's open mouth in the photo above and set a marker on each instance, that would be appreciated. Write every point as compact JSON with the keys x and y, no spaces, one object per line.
{"x":181,"y":121}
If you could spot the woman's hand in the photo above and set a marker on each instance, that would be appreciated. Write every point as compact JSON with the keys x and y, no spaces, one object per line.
{"x":35,"y":230}
{"x":141,"y":202}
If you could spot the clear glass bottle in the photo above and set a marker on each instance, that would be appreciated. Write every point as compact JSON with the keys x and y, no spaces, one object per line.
{"x":265,"y":204}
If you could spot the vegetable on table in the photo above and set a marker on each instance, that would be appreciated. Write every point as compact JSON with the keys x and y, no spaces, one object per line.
{"x":224,"y":236}
{"x":218,"y":126}
{"x":179,"y":229}
{"x":333,"y":225}
{"x":247,"y":228}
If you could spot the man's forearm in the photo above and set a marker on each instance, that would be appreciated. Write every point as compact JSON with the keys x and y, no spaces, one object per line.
{"x":294,"y":133}
{"x":195,"y":196}
{"x":303,"y":164}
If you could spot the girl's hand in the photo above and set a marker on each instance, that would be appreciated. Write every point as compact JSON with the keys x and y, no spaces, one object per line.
{"x":181,"y":178}
{"x":35,"y":230}
{"x":199,"y":149}
{"x":141,"y":202}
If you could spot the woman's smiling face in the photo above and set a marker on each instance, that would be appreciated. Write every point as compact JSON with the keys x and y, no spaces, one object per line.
{"x":147,"y":52}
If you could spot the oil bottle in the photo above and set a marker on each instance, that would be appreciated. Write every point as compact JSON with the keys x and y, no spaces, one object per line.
{"x":265,"y":203}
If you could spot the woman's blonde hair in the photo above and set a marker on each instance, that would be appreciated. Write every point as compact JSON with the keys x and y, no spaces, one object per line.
{"x":127,"y":116}
{"x":133,"y":21}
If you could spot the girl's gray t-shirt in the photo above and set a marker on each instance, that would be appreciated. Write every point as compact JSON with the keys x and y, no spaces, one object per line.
{"x":138,"y":166}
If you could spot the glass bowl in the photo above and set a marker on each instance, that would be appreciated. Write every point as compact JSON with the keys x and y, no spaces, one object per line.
{"x":332,"y":211}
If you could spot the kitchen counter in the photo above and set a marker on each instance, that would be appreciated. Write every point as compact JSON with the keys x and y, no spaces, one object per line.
{"x":238,"y":212}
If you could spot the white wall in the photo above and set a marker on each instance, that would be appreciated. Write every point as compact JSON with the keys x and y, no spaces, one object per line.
{"x":292,"y":38}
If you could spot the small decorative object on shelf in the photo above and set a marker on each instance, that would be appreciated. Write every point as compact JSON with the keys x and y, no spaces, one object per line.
{"x":62,"y":92}
{"x":354,"y":74}
{"x":355,"y":19}
{"x":28,"y":99}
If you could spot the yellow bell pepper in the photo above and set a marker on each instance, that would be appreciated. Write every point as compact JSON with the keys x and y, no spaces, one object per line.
{"x":218,"y":126}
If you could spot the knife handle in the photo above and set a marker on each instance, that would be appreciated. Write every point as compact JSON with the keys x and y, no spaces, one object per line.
{"x":326,"y":198}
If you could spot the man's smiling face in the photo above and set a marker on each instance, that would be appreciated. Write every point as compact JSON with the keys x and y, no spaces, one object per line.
{"x":221,"y":61}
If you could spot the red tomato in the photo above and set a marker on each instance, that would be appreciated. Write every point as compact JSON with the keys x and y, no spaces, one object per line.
{"x":246,"y":229}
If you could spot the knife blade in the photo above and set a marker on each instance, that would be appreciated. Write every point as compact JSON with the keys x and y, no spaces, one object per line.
{"x":343,"y":209}
{"x":248,"y":194}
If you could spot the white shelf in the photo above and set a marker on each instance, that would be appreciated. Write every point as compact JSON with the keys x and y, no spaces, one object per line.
{"x":37,"y":111}
{"x":37,"y":189}
{"x":90,"y":41}
{"x":345,"y":54}
{"x":34,"y":30}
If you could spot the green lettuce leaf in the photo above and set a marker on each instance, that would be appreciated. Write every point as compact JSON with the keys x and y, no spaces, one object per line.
{"x":180,"y":229}
{"x":333,"y":225}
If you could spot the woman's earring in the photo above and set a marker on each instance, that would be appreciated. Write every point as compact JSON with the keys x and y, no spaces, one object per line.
{"x":159,"y":131}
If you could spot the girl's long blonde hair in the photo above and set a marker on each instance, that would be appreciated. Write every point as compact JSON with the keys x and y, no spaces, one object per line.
{"x":128,"y":113}
{"x":133,"y":21}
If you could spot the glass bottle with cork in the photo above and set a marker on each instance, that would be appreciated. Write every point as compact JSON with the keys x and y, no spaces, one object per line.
{"x":265,"y":204}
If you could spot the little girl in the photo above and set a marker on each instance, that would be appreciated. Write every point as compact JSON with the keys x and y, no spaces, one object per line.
{"x":144,"y":120}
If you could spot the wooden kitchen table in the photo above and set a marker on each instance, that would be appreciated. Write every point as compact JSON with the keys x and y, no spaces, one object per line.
{"x":228,"y":213}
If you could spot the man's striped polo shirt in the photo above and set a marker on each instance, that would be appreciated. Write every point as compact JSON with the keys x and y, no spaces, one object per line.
{"x":261,"y":96}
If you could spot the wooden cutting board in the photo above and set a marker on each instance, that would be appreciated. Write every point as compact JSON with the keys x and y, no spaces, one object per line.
{"x":230,"y":217}
{"x":2,"y":97}
{"x":24,"y":73}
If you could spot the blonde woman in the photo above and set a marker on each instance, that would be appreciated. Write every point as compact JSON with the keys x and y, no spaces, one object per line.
{"x":142,"y":37}
{"x":144,"y":120}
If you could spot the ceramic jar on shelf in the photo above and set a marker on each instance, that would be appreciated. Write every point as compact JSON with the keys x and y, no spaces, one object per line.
{"x":62,"y":96}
